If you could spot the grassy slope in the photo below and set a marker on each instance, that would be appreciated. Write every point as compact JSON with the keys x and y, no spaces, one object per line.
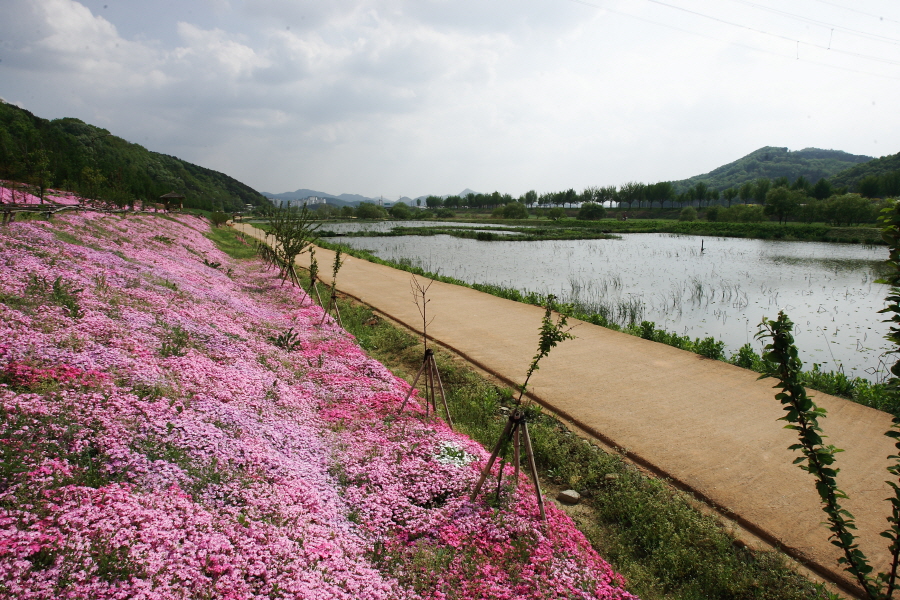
{"x":646,"y":529}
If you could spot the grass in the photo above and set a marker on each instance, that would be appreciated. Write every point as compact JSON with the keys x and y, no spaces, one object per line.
{"x":649,"y":531}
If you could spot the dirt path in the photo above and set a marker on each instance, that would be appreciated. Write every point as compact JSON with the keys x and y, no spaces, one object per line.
{"x":709,"y":426}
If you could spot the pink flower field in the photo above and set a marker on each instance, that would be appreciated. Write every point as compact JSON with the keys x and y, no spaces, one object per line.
{"x":159,"y":440}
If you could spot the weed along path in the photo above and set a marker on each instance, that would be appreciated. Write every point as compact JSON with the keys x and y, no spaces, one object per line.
{"x":709,"y":426}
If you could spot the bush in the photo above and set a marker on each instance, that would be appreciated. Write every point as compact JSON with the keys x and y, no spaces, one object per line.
{"x":400,"y":211}
{"x":218,"y":218}
{"x":688,"y":213}
{"x":367,"y":210}
{"x":591,"y":211}
{"x":515,"y":210}
{"x":712,"y":213}
{"x":555,"y":214}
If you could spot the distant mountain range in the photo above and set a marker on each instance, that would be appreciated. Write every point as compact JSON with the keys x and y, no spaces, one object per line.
{"x":346,"y":199}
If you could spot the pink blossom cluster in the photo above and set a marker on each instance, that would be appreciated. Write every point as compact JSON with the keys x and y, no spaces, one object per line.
{"x":8,"y":196}
{"x":158,"y":443}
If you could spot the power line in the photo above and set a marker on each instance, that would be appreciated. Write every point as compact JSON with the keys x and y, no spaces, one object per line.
{"x":774,"y":35}
{"x":879,"y":17}
{"x":872,"y":36}
{"x":729,"y":42}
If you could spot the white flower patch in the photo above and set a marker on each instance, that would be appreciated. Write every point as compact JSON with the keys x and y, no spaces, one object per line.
{"x":450,"y":453}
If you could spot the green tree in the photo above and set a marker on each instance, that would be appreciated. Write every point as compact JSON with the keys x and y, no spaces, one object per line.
{"x":688,"y":213}
{"x":700,"y":189}
{"x":434,"y":202}
{"x":555,"y":214}
{"x":802,"y":184}
{"x":400,"y":211}
{"x":760,"y":188}
{"x":746,"y":192}
{"x":869,"y":186}
{"x":730,"y":195}
{"x":783,"y":202}
{"x":849,"y":209}
{"x":591,"y":211}
{"x":530,"y":198}
{"x":368,"y":210}
{"x":39,"y":173}
{"x":515,"y":210}
{"x":822,"y":190}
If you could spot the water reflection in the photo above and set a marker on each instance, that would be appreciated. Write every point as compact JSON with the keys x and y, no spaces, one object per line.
{"x":723,"y":290}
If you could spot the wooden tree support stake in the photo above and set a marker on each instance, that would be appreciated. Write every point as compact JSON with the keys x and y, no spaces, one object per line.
{"x":516,"y":430}
{"x":433,"y":384}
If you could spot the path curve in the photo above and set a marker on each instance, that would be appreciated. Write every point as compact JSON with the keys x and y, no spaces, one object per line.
{"x":709,"y":426}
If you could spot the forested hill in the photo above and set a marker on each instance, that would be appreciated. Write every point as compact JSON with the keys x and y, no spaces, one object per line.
{"x":882,"y":168}
{"x":771,"y":162}
{"x":70,"y":154}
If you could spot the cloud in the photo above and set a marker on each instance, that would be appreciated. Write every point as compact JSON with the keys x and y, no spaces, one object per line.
{"x":430,"y":96}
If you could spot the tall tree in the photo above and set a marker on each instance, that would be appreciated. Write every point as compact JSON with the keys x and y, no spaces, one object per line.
{"x":760,"y":188}
{"x":783,"y":202}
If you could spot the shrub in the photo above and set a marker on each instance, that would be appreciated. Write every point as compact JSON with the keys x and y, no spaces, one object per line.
{"x":688,"y":213}
{"x":591,"y":211}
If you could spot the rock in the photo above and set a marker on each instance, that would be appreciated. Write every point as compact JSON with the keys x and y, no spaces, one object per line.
{"x":569,"y":497}
{"x":504,"y":410}
{"x":611,"y":476}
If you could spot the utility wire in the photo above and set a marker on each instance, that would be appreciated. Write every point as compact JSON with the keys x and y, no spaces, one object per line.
{"x":872,"y":36}
{"x":774,"y":35}
{"x":729,"y":42}
{"x":879,"y":17}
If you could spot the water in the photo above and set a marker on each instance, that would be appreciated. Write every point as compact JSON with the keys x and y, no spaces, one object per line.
{"x":827,"y":290}
{"x":385,"y":226}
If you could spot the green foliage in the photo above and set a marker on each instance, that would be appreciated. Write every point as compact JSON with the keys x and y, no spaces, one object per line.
{"x":802,"y":416}
{"x":783,"y":202}
{"x":514,"y":210}
{"x":218,"y":218}
{"x":551,"y":333}
{"x":294,"y":231}
{"x":38,"y":151}
{"x":289,"y":340}
{"x":650,"y":532}
{"x":176,"y":341}
{"x":885,"y":171}
{"x":555,"y":214}
{"x":367,"y":210}
{"x":770,"y":163}
{"x":688,"y":213}
{"x":741,"y":213}
{"x":591,"y":211}
{"x":400,"y":211}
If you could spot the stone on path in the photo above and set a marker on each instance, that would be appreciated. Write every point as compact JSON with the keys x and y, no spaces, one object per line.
{"x":569,"y":497}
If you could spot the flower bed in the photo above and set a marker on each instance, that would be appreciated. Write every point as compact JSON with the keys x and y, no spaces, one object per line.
{"x":158,"y":439}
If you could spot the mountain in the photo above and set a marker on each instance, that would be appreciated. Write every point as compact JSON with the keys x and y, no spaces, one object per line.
{"x":879,"y":167}
{"x":71,"y":154}
{"x":772,"y":162}
{"x":340,"y":200}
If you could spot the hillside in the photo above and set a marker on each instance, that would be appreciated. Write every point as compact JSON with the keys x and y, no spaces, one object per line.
{"x":881,"y":168}
{"x":177,"y":424}
{"x":772,"y":162}
{"x":70,"y":154}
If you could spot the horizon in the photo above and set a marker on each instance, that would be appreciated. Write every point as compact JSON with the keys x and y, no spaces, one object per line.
{"x":397,"y":98}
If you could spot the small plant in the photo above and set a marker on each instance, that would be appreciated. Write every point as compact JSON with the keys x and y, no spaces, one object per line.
{"x":63,"y":294}
{"x":332,"y":300}
{"x":289,"y":340}
{"x":212,"y":265}
{"x":516,"y":430}
{"x":175,"y":342}
{"x":163,"y":239}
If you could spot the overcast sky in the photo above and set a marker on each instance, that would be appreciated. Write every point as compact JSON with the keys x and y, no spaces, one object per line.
{"x":414,"y":97}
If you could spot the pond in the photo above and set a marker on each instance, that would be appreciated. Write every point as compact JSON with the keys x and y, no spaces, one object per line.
{"x":722,"y":290}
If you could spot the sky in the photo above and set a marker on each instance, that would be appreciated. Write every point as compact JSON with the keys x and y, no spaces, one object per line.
{"x":412,"y":97}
